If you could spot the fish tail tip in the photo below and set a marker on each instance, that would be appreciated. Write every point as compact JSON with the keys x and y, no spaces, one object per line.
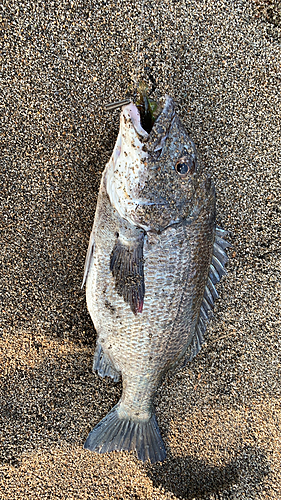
{"x":113,"y":433}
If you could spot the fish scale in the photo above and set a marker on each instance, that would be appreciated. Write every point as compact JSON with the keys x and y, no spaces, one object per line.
{"x":150,"y":272}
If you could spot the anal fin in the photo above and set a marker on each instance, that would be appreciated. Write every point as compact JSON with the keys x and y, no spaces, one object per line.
{"x":104,"y":366}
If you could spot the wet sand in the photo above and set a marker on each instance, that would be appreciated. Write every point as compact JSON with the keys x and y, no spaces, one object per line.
{"x":220,"y":415}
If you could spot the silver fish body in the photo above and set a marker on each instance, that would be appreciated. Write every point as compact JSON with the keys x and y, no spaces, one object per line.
{"x":153,"y":260}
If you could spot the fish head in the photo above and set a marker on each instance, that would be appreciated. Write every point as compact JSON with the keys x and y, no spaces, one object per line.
{"x":153,"y":179}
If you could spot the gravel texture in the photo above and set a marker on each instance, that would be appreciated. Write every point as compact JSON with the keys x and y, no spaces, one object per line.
{"x":220,"y":416}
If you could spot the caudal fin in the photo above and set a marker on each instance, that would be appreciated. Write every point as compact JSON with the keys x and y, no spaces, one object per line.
{"x":115,"y":433}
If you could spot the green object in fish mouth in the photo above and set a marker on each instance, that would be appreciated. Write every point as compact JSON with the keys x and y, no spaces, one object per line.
{"x":149,"y":110}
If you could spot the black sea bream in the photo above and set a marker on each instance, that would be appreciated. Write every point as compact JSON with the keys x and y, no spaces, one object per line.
{"x":154,"y":257}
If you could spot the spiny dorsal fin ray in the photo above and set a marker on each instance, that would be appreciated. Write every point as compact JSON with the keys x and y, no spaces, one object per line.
{"x":222,"y":233}
{"x":213,"y":274}
{"x":212,"y":288}
{"x":219,"y":266}
{"x":207,"y":308}
{"x":208,"y":296}
{"x":219,"y":253}
{"x":221,"y":242}
{"x":216,"y":271}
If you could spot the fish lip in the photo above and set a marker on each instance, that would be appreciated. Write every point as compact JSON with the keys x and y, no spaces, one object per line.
{"x":133,"y":113}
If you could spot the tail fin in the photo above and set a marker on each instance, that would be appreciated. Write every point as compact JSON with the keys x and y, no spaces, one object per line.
{"x":115,"y":433}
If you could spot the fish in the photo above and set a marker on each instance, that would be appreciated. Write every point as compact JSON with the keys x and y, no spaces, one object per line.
{"x":154,"y":257}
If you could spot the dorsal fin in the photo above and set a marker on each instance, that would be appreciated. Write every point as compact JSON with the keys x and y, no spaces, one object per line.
{"x":216,"y":271}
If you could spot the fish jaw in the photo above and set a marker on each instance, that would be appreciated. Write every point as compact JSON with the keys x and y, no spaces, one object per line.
{"x":126,"y":171}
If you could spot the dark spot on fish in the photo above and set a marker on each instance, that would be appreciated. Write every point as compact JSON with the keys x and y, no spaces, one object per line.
{"x":109,"y":306}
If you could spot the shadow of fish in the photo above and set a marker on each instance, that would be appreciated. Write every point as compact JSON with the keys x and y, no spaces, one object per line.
{"x":154,"y":258}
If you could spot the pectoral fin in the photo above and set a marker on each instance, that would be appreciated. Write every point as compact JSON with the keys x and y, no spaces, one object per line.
{"x":127,"y":267}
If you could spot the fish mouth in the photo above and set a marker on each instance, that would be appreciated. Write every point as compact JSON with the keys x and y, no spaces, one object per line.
{"x":152,"y":125}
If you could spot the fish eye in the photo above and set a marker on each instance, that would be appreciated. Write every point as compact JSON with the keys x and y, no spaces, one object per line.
{"x":185,"y":166}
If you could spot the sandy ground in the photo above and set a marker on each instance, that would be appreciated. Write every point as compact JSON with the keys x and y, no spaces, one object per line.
{"x":220,"y":416}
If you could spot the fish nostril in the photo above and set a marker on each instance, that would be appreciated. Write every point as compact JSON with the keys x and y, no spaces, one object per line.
{"x":157,"y":153}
